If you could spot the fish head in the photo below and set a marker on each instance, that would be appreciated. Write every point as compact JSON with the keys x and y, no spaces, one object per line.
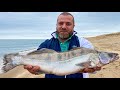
{"x":99,"y":59}
{"x":108,"y":57}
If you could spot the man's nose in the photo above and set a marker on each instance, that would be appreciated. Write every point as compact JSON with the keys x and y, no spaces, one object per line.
{"x":64,"y":26}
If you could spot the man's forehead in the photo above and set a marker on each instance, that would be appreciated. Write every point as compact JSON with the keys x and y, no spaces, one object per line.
{"x":65,"y":17}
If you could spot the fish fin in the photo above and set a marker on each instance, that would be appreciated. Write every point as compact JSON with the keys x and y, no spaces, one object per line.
{"x":43,"y":50}
{"x":75,"y":48}
{"x":84,"y":64}
{"x":8,"y":62}
{"x":39,"y":72}
{"x":8,"y":67}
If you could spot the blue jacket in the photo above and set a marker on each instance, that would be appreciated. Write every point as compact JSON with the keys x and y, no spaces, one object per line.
{"x":53,"y":43}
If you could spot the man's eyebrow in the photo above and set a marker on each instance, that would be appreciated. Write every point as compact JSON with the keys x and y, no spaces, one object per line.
{"x":66,"y":21}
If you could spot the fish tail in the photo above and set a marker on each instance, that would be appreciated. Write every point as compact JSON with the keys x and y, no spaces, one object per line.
{"x":8,"y":62}
{"x":7,"y":67}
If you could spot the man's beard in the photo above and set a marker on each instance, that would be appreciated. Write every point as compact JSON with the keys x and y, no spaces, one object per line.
{"x":64,"y":35}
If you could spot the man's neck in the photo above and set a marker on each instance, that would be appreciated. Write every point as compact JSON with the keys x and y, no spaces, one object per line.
{"x":62,"y":40}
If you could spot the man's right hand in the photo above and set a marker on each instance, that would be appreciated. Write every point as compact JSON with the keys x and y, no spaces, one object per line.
{"x":32,"y":69}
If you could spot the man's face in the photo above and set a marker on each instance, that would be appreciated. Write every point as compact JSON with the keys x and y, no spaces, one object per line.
{"x":65,"y":26}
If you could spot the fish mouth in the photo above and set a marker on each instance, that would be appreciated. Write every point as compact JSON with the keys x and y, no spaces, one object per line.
{"x":116,"y":57}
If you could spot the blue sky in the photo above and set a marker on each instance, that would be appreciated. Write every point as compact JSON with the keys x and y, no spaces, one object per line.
{"x":39,"y":25}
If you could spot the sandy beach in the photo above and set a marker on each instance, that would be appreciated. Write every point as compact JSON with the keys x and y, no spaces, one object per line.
{"x":108,"y":42}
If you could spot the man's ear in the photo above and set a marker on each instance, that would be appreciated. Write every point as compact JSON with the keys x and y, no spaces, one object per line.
{"x":74,"y":25}
{"x":56,"y":24}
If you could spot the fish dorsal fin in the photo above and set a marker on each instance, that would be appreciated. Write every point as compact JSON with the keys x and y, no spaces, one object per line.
{"x":75,"y":48}
{"x":43,"y":50}
{"x":85,"y":50}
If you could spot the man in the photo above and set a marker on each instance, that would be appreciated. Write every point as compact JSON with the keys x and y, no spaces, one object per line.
{"x":64,"y":39}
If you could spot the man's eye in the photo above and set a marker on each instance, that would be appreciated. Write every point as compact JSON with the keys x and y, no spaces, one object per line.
{"x":61,"y":23}
{"x":68,"y":24}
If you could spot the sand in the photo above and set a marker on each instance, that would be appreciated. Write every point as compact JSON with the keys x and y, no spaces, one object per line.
{"x":108,"y":42}
{"x":111,"y":43}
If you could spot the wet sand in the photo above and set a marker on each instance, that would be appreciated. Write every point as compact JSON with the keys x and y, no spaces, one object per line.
{"x":108,"y":42}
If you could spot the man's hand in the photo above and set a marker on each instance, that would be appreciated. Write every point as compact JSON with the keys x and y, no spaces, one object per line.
{"x":32,"y":69}
{"x":90,"y":70}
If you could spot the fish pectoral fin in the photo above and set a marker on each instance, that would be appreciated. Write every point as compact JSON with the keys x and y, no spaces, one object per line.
{"x":84,"y":64}
{"x":39,"y":72}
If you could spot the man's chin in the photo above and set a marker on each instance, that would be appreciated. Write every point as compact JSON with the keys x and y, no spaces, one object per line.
{"x":64,"y":36}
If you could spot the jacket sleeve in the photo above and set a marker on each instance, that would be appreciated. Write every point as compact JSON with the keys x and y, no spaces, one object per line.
{"x":85,"y":43}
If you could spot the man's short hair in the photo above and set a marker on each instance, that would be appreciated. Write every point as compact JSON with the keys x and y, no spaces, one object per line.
{"x":66,"y":13}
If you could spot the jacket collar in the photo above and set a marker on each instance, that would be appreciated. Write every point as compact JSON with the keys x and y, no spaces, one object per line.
{"x":54,"y":34}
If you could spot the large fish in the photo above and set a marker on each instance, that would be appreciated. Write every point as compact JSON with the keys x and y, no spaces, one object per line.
{"x":60,"y":63}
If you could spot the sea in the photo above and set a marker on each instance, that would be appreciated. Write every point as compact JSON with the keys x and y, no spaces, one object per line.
{"x":16,"y":45}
